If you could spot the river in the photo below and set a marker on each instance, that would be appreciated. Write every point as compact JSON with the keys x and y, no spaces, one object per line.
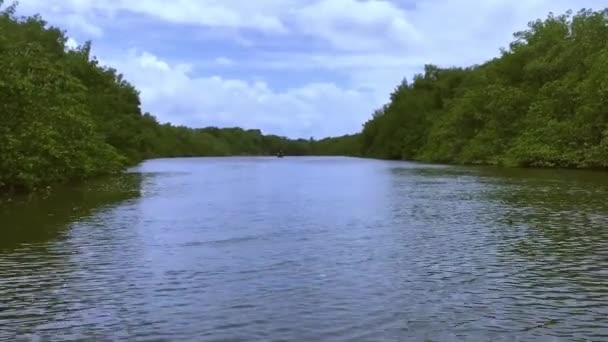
{"x":309,"y":248}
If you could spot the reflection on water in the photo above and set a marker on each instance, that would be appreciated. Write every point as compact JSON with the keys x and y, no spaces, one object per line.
{"x":40,"y":257}
{"x":559,"y":231}
{"x":45,"y":216}
{"x":310,"y":249}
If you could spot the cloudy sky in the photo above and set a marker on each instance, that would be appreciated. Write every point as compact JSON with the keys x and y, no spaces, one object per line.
{"x":298,"y":68}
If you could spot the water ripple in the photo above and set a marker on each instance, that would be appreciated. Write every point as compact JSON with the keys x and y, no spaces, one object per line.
{"x":317,"y":249}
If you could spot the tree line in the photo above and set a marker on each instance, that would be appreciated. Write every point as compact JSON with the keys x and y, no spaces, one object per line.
{"x":542,"y":103}
{"x":64,"y":116}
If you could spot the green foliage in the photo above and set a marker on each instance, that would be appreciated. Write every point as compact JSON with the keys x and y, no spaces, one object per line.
{"x":65,"y":117}
{"x":347,"y":145}
{"x":47,"y":135}
{"x":541,"y":103}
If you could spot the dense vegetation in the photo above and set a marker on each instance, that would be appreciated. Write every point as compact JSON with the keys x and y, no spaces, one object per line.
{"x":542,"y":103}
{"x":66,"y":117}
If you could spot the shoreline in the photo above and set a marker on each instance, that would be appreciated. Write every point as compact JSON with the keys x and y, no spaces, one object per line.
{"x":8,"y":196}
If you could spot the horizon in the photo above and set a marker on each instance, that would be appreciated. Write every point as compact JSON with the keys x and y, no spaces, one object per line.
{"x":341,"y":65}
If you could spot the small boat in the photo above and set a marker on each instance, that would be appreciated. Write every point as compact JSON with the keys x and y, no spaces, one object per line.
{"x":280,"y":154}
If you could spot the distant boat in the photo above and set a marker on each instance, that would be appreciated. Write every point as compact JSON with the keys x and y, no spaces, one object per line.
{"x":280,"y":154}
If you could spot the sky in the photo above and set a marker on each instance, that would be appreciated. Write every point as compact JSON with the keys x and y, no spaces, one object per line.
{"x":297,"y":68}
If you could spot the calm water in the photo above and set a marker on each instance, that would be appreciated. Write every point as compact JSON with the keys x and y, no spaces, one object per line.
{"x":326,"y":249}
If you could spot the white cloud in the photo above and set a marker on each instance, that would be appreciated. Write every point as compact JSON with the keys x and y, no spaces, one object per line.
{"x":348,"y":24}
{"x":352,"y":25}
{"x":223,"y":61}
{"x":173,"y":94}
{"x":208,"y":13}
{"x":71,"y":43}
{"x":365,"y":46}
{"x":263,"y":15}
{"x":84,"y":24}
{"x":358,"y":25}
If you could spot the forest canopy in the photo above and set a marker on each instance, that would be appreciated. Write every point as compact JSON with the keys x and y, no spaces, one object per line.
{"x":64,"y":116}
{"x":543,"y":102}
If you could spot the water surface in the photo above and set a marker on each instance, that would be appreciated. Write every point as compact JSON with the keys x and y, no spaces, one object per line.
{"x":328,"y":249}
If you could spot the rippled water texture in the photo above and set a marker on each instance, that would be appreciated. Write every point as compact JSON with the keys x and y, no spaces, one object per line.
{"x":309,"y":249}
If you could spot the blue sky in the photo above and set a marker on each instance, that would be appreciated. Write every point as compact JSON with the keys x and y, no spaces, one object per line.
{"x":298,"y":68}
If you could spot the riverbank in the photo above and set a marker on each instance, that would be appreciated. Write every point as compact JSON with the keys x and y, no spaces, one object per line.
{"x":25,"y":194}
{"x":70,"y":118}
{"x":540,"y":103}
